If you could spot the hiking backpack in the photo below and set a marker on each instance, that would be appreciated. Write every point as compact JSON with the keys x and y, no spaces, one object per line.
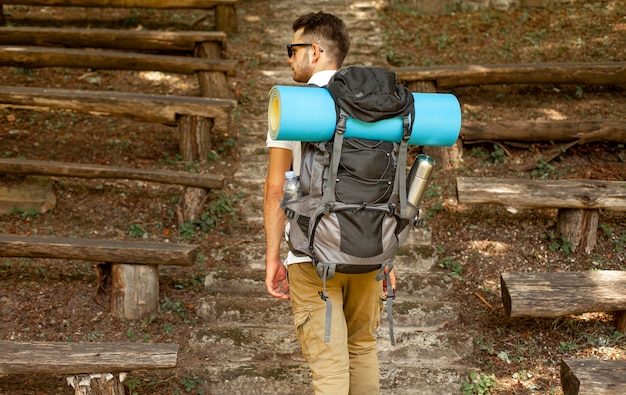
{"x":354,"y":192}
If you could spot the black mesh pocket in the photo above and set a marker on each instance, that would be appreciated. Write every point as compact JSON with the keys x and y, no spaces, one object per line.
{"x":361,"y":232}
{"x":366,"y":171}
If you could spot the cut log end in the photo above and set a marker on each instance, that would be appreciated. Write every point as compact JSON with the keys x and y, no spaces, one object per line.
{"x":506,"y":296}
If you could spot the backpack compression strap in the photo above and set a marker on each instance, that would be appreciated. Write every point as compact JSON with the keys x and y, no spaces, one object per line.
{"x":399,"y":186}
{"x":326,"y":271}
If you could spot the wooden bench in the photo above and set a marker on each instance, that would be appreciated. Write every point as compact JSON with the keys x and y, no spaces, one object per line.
{"x":128,"y":270}
{"x":135,"y":40}
{"x":593,"y":377}
{"x":196,"y":118}
{"x":225,"y":10}
{"x":38,"y":57}
{"x":578,"y":201}
{"x":443,"y":78}
{"x":63,"y":169}
{"x":555,"y":294}
{"x":92,"y":366}
{"x":446,"y":77}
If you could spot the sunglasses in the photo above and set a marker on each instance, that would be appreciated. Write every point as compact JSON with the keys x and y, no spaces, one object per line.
{"x":290,"y":48}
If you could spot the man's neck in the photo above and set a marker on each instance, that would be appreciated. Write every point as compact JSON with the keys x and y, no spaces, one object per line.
{"x":321,"y":78}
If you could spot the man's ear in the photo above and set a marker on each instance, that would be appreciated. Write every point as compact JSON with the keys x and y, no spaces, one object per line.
{"x":317,"y":50}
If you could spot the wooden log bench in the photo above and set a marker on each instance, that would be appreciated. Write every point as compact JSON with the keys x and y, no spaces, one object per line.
{"x":444,"y":78}
{"x":195,"y":117}
{"x":447,"y":77}
{"x":92,"y":368}
{"x":63,"y":169}
{"x":225,"y":10}
{"x":128,"y":270}
{"x":578,"y":201}
{"x":39,"y":57}
{"x":593,"y":377}
{"x":183,"y":42}
{"x":555,"y":294}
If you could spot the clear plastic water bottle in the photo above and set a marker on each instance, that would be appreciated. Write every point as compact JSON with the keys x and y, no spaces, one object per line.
{"x":291,"y":187}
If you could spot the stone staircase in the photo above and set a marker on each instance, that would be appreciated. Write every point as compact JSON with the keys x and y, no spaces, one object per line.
{"x":249,"y":336}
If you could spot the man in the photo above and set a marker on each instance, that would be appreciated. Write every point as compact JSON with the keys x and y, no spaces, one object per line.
{"x":348,"y":364}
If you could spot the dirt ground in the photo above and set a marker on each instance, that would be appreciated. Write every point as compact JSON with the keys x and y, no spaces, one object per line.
{"x":53,"y":300}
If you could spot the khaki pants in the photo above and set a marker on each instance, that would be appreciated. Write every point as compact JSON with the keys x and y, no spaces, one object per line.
{"x":349,"y":363}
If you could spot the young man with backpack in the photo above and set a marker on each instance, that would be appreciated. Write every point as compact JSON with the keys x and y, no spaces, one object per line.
{"x":346,"y":362}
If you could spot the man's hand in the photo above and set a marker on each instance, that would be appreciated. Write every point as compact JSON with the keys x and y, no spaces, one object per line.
{"x":392,"y":278}
{"x":276,"y":280}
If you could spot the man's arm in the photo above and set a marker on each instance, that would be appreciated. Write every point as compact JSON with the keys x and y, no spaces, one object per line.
{"x":274,"y":222}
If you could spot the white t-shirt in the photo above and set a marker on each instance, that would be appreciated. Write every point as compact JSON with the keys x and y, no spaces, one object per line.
{"x":320,"y":78}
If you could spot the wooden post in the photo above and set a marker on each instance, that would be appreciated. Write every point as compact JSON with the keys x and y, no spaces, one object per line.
{"x":579,"y":227}
{"x":134,"y":290}
{"x":97,"y":384}
{"x":215,"y":84}
{"x":195,"y":145}
{"x":226,"y":18}
{"x":620,"y":320}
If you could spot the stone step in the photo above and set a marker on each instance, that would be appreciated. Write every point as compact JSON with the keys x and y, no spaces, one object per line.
{"x":414,"y":348}
{"x":415,"y":259}
{"x":421,"y":380}
{"x":244,"y":310}
{"x":422,"y":316}
{"x":247,"y":343}
{"x":292,"y":378}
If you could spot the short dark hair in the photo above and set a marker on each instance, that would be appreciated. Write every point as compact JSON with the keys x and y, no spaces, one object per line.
{"x":329,"y":30}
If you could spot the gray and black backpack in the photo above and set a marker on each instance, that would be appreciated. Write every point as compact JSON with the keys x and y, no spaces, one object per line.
{"x":354,"y":201}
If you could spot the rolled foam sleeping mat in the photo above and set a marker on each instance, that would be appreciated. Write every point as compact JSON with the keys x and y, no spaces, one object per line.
{"x":304,"y":113}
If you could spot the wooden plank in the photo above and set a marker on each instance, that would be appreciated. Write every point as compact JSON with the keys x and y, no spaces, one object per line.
{"x":140,"y":40}
{"x":534,"y":194}
{"x":560,"y":293}
{"x":593,"y":377}
{"x":161,"y":4}
{"x":70,"y":358}
{"x":542,"y":131}
{"x":38,"y":57}
{"x":446,"y":77}
{"x":102,"y":250}
{"x":49,"y":168}
{"x":139,"y":107}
